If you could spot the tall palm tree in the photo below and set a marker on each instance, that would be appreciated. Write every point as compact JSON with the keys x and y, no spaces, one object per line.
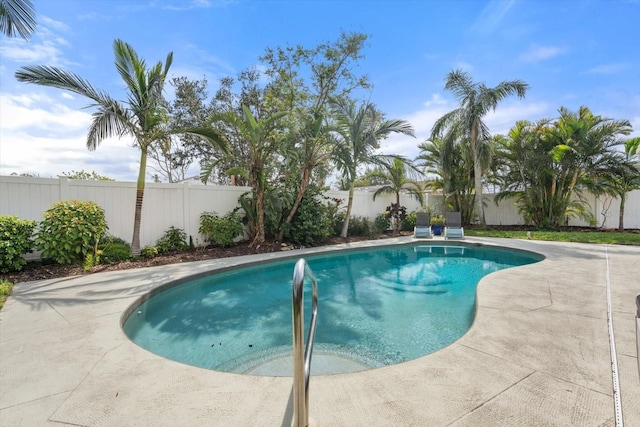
{"x":396,"y":177}
{"x":143,"y":116}
{"x":476,"y":100}
{"x":263,"y":146}
{"x":359,"y":131}
{"x":17,"y":17}
{"x":452,"y":163}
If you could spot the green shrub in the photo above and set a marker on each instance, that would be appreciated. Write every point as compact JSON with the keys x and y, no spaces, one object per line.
{"x":149,"y":252}
{"x":5,"y":291}
{"x":409,"y":222}
{"x":382,"y":223}
{"x":174,"y":239}
{"x":70,"y":230}
{"x":311,"y":224}
{"x":114,"y":253}
{"x":221,"y":230}
{"x":361,"y":226}
{"x":15,"y":241}
{"x":113,"y":250}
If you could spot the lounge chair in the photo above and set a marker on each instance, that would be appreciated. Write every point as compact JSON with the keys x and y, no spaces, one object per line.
{"x":453,"y":226}
{"x":423,"y":226}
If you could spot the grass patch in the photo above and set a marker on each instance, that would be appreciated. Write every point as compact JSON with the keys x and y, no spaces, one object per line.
{"x":609,"y":238}
{"x":5,"y":291}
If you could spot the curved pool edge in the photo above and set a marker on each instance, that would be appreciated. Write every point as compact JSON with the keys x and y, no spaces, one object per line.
{"x":92,"y":375}
{"x":257,"y":259}
{"x":253,"y":260}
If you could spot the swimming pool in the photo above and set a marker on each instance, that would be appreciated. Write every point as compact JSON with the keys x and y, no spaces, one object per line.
{"x":377,"y":307}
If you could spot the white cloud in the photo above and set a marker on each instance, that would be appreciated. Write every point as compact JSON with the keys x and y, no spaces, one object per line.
{"x":542,"y":53}
{"x":464,"y":66}
{"x":608,"y":69}
{"x":43,"y":136}
{"x":491,"y":16}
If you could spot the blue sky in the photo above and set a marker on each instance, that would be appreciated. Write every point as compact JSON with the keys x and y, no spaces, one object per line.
{"x":571,"y":53}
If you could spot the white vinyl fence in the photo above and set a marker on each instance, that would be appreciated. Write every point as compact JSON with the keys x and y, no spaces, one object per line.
{"x":180,"y":205}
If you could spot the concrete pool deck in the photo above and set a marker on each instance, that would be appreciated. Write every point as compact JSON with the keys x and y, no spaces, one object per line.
{"x":537,"y":354}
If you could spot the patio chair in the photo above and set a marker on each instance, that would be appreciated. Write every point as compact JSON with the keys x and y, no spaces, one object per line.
{"x":423,"y":226}
{"x":453,"y":226}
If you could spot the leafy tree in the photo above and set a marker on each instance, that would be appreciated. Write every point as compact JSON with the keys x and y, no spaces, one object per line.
{"x":633,"y":146}
{"x":329,"y":68}
{"x":190,"y":108}
{"x":88,"y":176}
{"x":550,"y":164}
{"x":17,"y":18}
{"x":263,"y":144}
{"x":359,"y":131}
{"x":476,"y":100}
{"x":396,"y":180}
{"x":143,"y":116}
{"x":452,"y":163}
{"x":625,"y":179}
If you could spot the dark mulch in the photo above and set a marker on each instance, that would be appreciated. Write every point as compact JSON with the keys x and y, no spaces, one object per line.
{"x":40,"y":270}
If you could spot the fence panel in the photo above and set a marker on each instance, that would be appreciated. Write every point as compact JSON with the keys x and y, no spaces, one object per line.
{"x":180,"y":205}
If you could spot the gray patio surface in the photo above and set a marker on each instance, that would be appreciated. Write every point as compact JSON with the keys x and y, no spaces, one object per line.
{"x":536,"y":355}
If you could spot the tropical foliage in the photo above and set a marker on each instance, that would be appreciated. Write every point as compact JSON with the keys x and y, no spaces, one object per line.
{"x":549,"y":166}
{"x":143,"y":116}
{"x":17,"y":18}
{"x":467,"y":121}
{"x":359,"y":132}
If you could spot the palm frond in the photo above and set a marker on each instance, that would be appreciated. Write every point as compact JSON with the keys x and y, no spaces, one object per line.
{"x":17,"y":17}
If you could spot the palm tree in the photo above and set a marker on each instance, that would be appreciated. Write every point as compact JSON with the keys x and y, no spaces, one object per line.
{"x":452,"y":163}
{"x":143,"y":116}
{"x":359,"y":131}
{"x":263,"y":145}
{"x":551,"y":165}
{"x":17,"y":17}
{"x":395,"y":175}
{"x":476,"y":100}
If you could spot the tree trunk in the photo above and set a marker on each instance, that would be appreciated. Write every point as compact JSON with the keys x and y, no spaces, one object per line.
{"x":259,"y":238}
{"x":137,"y":218}
{"x":477,"y":177}
{"x":345,"y":226}
{"x":396,"y":224}
{"x":623,"y":197}
{"x":306,"y":175}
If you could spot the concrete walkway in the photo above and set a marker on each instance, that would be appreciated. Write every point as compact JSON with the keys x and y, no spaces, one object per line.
{"x":537,"y":355}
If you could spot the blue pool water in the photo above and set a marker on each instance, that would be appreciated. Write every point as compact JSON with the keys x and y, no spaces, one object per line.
{"x":376,"y":307}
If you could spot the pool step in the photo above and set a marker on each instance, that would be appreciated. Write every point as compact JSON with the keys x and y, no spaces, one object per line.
{"x":321,"y":364}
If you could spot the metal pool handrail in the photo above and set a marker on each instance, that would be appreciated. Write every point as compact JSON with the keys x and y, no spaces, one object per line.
{"x":302,"y":362}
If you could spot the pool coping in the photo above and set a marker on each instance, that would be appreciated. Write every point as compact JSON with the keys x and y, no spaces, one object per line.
{"x":65,"y":360}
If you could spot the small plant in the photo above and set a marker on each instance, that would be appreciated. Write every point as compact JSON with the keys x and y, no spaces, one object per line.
{"x":409,"y":222}
{"x":382,"y":222}
{"x":361,"y":226}
{"x":70,"y":230}
{"x":15,"y":241}
{"x":91,"y":260}
{"x":221,"y":230}
{"x":5,"y":291}
{"x":149,"y":252}
{"x":397,"y":214}
{"x":113,"y":250}
{"x":174,"y":239}
{"x":437,"y":219}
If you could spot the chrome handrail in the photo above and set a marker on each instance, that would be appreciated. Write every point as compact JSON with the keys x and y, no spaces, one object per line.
{"x":302,"y":363}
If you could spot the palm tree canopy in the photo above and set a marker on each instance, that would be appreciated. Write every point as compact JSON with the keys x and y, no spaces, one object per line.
{"x":475,"y":100}
{"x":142,"y":117}
{"x":17,"y":17}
